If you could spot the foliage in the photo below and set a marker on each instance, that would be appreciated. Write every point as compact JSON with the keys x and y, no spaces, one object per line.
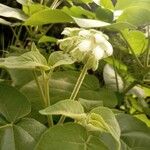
{"x":75,"y":75}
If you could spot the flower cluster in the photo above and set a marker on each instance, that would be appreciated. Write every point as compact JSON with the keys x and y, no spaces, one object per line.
{"x":86,"y":45}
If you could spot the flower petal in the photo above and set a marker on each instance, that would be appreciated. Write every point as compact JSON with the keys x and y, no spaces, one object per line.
{"x":85,"y":45}
{"x":98,"y":52}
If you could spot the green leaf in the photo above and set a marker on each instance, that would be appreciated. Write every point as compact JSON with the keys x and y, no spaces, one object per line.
{"x":9,"y":12}
{"x":123,"y":4}
{"x":135,"y":15}
{"x":29,"y":60}
{"x":45,"y":39}
{"x":67,"y":108}
{"x":69,"y":137}
{"x":105,"y":3}
{"x":31,"y":9}
{"x":48,"y":16}
{"x":118,"y":64}
{"x":17,"y":133}
{"x":108,"y":97}
{"x":136,"y":39}
{"x":20,"y":136}
{"x":104,"y":14}
{"x":59,"y":58}
{"x":90,"y":104}
{"x":78,"y":11}
{"x":13,"y":104}
{"x":108,"y":122}
{"x":118,"y":26}
{"x":62,"y":83}
{"x":134,"y":133}
{"x":20,"y":77}
{"x":143,"y":118}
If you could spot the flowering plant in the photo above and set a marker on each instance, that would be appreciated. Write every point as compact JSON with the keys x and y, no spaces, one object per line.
{"x":87,"y":46}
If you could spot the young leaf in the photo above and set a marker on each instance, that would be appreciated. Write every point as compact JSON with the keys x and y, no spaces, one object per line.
{"x":59,"y":58}
{"x":109,"y":117}
{"x":29,"y":60}
{"x":67,"y":108}
{"x":70,"y":137}
{"x":45,"y":39}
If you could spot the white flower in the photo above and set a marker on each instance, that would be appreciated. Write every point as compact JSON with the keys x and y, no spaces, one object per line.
{"x":98,"y":52}
{"x":85,"y":46}
{"x":84,"y":33}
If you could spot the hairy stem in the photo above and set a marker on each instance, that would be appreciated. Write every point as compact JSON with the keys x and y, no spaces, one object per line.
{"x":76,"y":89}
{"x":47,"y":96}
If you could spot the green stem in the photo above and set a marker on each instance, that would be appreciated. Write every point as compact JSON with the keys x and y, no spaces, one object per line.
{"x":116,"y":77}
{"x":76,"y":89}
{"x":148,"y":49}
{"x":39,"y":87}
{"x":79,"y":83}
{"x":130,"y":87}
{"x":47,"y":96}
{"x":44,"y":92}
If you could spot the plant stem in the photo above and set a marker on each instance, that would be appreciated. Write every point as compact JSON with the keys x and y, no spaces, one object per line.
{"x":39,"y":87}
{"x":79,"y":83}
{"x":148,"y":48}
{"x":132,"y":51}
{"x":130,"y":87}
{"x":115,"y":70}
{"x":75,"y":90}
{"x":44,"y":92}
{"x":47,"y":96}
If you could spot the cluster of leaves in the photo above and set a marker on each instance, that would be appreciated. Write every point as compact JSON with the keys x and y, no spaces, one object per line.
{"x":39,"y":83}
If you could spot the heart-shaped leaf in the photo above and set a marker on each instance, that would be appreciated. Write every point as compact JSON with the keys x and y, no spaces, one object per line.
{"x":13,"y":105}
{"x":59,"y":58}
{"x":70,"y":137}
{"x":67,"y":108}
{"x":108,"y":122}
{"x":17,"y":133}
